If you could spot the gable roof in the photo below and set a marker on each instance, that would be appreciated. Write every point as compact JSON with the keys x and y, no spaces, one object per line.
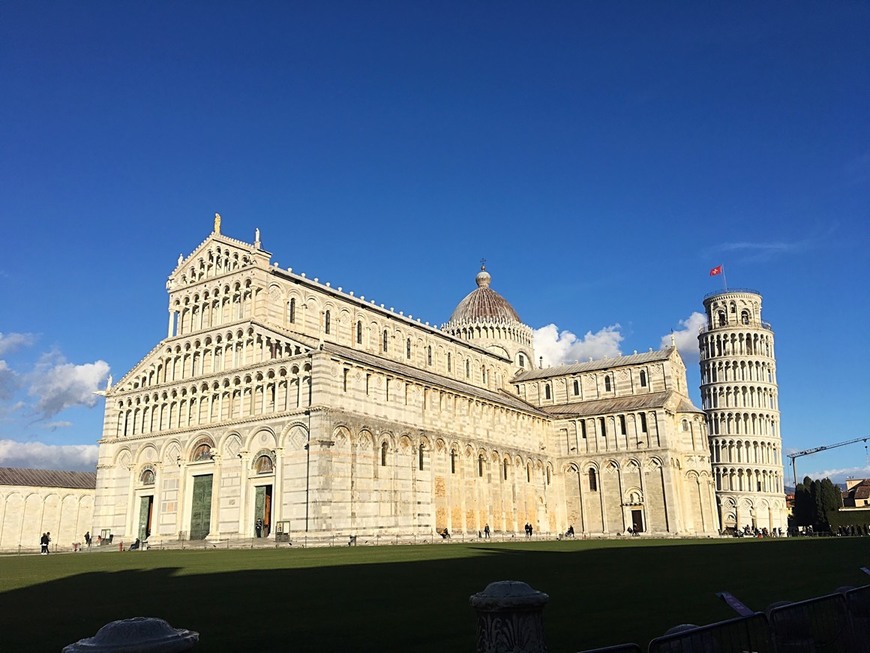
{"x":667,"y":399}
{"x":48,"y":478}
{"x":591,"y":366}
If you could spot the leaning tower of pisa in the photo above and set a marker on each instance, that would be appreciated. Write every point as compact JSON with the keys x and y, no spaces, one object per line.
{"x":739,"y":395}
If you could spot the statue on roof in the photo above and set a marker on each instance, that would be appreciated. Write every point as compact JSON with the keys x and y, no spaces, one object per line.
{"x":217,"y":223}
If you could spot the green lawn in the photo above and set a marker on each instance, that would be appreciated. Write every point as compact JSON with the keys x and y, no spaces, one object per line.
{"x":411,"y":598}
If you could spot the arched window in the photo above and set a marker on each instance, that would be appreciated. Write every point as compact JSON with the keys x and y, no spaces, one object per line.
{"x":420,"y":457}
{"x":264,"y":465}
{"x":467,"y":368}
{"x":480,"y":466}
{"x":593,"y":480}
{"x":453,"y":461}
{"x":408,"y":348}
{"x":386,"y":340}
{"x":744,"y":317}
{"x":576,"y":387}
{"x":359,"y":332}
{"x":622,"y":424}
{"x":429,"y":355}
{"x":384,"y":448}
{"x":326,"y":322}
{"x":529,"y":473}
{"x":449,"y":362}
{"x":643,"y":378}
{"x":722,"y":319}
{"x":547,"y":392}
{"x":685,"y":425}
{"x":291,"y":313}
{"x":202,"y":452}
{"x":504,"y":467}
{"x":147,"y":477}
{"x":607,"y":384}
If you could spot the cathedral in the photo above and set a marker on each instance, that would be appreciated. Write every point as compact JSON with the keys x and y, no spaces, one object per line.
{"x":280,"y":407}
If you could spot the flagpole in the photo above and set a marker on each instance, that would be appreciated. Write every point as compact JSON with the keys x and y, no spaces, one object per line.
{"x":724,"y":278}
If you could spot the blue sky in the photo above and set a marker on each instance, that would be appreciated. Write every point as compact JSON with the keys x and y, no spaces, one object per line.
{"x":602,"y":157}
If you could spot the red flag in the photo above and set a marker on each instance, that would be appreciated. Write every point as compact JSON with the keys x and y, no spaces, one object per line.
{"x":716,"y":270}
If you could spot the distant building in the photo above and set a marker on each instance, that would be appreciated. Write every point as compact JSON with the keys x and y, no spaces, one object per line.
{"x":278,"y":404}
{"x":857,"y":494}
{"x":36,"y":501}
{"x":740,"y":397}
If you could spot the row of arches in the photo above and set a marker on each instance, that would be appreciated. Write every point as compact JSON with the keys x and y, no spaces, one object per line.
{"x":736,"y":344}
{"x":742,"y":424}
{"x":212,"y":354}
{"x":228,"y":303}
{"x":745,"y":451}
{"x":482,"y":329}
{"x":214,"y":261}
{"x":715,"y":371}
{"x":738,"y":397}
{"x":737,"y":479}
{"x":274,"y":390}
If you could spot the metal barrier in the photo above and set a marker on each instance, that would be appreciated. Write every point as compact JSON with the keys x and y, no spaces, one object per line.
{"x":816,"y":625}
{"x":618,"y":648}
{"x":858,"y":604}
{"x":741,"y":634}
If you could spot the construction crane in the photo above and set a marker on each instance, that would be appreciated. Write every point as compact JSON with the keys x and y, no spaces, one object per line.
{"x":807,"y":452}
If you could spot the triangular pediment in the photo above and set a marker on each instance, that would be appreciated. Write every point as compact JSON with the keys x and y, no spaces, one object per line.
{"x":217,"y":256}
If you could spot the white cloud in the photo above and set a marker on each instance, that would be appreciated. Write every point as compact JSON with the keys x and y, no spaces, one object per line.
{"x":58,"y":385}
{"x":686,"y":338}
{"x":837,"y":475}
{"x":9,"y":381}
{"x":12,"y":341}
{"x":560,"y":348}
{"x":36,"y":455}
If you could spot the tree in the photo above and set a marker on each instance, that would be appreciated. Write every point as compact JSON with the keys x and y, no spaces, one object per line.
{"x":831,"y":500}
{"x":804,"y":506}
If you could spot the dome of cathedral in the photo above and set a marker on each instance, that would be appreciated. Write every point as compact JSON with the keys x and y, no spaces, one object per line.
{"x":484,"y":304}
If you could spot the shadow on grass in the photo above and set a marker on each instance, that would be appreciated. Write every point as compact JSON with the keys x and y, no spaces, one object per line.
{"x":417,"y":598}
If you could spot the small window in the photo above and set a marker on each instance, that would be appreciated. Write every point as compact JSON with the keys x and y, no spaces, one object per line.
{"x":643,"y":422}
{"x":453,"y":461}
{"x":264,"y":465}
{"x":384,"y":449}
{"x":593,"y":480}
{"x":603,"y":427}
{"x":607,"y":384}
{"x":420,"y":457}
{"x":522,"y":360}
{"x":359,"y":332}
{"x":547,"y":392}
{"x":429,"y":355}
{"x":344,"y":379}
{"x":202,"y":452}
{"x":147,"y":477}
{"x":744,"y":317}
{"x":467,"y":369}
{"x":504,"y":467}
{"x":576,"y":387}
{"x":449,"y":362}
{"x":480,"y":466}
{"x":722,"y":318}
{"x":408,"y":348}
{"x":583,"y":428}
{"x":291,"y":313}
{"x":622,"y":424}
{"x":326,"y":322}
{"x":685,"y":425}
{"x":386,"y":341}
{"x":528,"y":473}
{"x":643,"y":378}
